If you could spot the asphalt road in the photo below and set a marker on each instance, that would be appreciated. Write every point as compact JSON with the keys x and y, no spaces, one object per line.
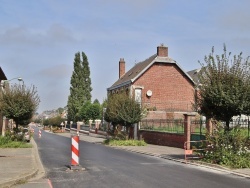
{"x":108,"y":167}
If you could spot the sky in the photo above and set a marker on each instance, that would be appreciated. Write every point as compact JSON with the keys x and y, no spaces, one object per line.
{"x":39,"y":39}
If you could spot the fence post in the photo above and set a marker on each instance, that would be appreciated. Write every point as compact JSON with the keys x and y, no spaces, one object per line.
{"x":78,"y":127}
{"x":90,"y":123}
{"x":187,"y":128}
{"x":70,"y":126}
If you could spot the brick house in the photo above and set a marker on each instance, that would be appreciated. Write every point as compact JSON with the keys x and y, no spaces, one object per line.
{"x":158,"y":83}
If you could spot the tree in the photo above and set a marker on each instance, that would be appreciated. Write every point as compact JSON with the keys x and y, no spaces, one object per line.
{"x":56,"y":121}
{"x":60,"y":110}
{"x":95,"y":111}
{"x":19,"y":102}
{"x":83,"y":112}
{"x":112,"y":108}
{"x":90,"y":111}
{"x":123,"y":110}
{"x":80,"y":90}
{"x":222,"y":86}
{"x":46,"y":122}
{"x":96,"y":101}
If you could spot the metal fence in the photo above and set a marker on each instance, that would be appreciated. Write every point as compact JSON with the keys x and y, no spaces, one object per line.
{"x":163,"y":125}
{"x":198,"y":127}
{"x":173,"y":125}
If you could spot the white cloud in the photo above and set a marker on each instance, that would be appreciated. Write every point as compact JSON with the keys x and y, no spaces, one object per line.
{"x":235,"y":18}
{"x":58,"y":71}
{"x":25,"y":36}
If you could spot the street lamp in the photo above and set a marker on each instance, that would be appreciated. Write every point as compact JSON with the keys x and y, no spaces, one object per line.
{"x":6,"y":81}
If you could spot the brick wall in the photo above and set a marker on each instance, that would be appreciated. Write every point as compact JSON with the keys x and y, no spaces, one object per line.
{"x":163,"y":139}
{"x":170,"y":88}
{"x":163,"y":115}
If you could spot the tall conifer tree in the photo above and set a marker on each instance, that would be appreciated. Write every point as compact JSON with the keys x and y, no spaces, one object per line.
{"x":80,"y":89}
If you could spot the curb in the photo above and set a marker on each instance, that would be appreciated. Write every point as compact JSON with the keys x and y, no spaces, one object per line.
{"x":16,"y":181}
{"x":205,"y":165}
{"x":38,"y":163}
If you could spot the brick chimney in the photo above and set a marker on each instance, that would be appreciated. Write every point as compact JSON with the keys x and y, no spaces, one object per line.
{"x":121,"y":67}
{"x":162,"y":51}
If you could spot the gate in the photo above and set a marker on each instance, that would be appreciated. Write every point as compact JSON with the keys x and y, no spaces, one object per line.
{"x":198,"y":131}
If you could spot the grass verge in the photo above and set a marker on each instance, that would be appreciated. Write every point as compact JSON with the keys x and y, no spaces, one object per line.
{"x":6,"y":142}
{"x":113,"y":142}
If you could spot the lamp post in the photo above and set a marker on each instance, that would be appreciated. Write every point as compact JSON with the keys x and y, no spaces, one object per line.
{"x":7,"y":81}
{"x":3,"y":119}
{"x":103,"y":113}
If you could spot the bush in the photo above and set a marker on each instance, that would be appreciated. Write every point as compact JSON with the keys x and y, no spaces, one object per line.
{"x":227,"y":148}
{"x":15,"y":135}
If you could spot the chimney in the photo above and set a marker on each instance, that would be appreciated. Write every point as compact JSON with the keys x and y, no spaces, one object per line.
{"x":121,"y":67}
{"x":162,"y":51}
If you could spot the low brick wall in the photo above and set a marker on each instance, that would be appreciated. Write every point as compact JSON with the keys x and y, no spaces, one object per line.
{"x":163,"y":139}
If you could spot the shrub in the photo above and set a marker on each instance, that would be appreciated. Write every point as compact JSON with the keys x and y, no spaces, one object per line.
{"x":16,"y":135}
{"x":227,"y":148}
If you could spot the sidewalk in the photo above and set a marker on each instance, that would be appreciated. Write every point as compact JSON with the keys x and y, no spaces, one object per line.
{"x":19,"y":165}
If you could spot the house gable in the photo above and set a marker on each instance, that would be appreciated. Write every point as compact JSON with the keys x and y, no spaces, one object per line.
{"x":135,"y":72}
{"x":158,"y":83}
{"x":170,"y":87}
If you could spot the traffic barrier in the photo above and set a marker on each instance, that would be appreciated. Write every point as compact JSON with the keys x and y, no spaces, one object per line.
{"x":75,"y":150}
{"x":40,"y":133}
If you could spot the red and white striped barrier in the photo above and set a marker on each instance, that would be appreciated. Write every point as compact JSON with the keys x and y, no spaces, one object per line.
{"x":75,"y":150}
{"x":40,"y":133}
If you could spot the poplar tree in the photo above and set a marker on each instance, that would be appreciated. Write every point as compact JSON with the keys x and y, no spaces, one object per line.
{"x":80,"y":89}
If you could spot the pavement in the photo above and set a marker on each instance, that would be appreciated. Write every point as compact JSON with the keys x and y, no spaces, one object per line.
{"x":19,"y":167}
